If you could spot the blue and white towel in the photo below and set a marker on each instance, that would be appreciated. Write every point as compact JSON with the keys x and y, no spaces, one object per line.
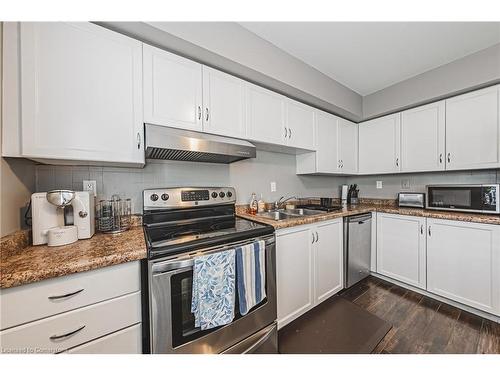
{"x":251,"y":271}
{"x":214,"y":289}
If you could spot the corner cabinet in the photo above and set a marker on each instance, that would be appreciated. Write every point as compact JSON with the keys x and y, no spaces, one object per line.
{"x":379,"y":145}
{"x":463,"y":263}
{"x":423,"y":138}
{"x":473,"y":130}
{"x":309,"y":267}
{"x":401,"y":248}
{"x":80,"y":94}
{"x":336,"y":147}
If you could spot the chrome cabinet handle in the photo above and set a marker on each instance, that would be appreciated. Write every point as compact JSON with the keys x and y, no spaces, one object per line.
{"x":199,"y":112}
{"x":66,"y":295}
{"x":440,"y":158}
{"x":429,"y":230}
{"x":449,"y":157}
{"x":421,"y":229}
{"x":313,"y":241}
{"x":207,"y":115}
{"x":341,"y":163}
{"x":138,"y":140}
{"x":286,"y":132}
{"x":65,"y":335}
{"x":317,"y":237}
{"x":289,"y":133}
{"x":397,"y":162}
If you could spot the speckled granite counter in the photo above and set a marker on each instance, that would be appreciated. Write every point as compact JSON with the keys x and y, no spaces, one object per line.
{"x":371,"y":207}
{"x":23,"y":265}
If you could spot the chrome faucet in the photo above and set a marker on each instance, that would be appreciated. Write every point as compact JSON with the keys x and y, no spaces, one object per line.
{"x":279,"y":203}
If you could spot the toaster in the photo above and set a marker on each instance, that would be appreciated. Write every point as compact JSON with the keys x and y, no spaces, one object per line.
{"x":411,"y":200}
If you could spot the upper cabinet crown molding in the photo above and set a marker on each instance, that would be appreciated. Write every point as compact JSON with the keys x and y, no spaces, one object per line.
{"x":379,"y":145}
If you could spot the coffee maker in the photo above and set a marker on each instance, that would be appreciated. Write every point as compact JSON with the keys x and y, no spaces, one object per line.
{"x":61,"y":217}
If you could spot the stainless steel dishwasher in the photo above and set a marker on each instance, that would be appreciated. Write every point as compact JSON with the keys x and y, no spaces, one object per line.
{"x":357,"y":248}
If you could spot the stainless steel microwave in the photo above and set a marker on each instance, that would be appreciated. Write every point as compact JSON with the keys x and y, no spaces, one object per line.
{"x":482,"y":198}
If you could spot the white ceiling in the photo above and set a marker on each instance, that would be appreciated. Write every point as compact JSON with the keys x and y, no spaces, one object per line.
{"x":369,"y":56}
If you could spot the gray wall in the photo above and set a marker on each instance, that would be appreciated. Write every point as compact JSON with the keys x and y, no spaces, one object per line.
{"x":473,"y":71}
{"x":231,"y":48}
{"x":393,"y":184}
{"x":246,"y":176}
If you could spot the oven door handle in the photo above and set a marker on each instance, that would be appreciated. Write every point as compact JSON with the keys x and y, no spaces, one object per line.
{"x":172,"y":265}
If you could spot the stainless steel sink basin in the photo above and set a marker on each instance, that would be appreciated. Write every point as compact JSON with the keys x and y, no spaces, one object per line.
{"x":288,"y":214}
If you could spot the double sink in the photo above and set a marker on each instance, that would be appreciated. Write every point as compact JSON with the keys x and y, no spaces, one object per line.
{"x":283,"y":214}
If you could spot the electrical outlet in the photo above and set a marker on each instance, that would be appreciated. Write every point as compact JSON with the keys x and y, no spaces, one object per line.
{"x":90,"y":185}
{"x":379,"y":185}
{"x":273,"y":187}
{"x":405,"y":183}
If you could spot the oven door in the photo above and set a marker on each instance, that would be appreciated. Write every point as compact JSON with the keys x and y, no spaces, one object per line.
{"x":172,"y":327}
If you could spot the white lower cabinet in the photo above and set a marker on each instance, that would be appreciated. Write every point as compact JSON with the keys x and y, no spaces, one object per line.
{"x":401,"y":248}
{"x":463,"y":263}
{"x":309,"y":267}
{"x":126,"y":341}
{"x":74,"y":310}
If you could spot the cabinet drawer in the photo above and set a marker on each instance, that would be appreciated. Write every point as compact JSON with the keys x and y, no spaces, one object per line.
{"x":126,"y":341}
{"x":70,"y":329}
{"x":30,"y":302}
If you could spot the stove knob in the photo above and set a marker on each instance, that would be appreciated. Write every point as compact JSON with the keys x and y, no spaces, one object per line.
{"x":154,"y":197}
{"x":229,"y":194}
{"x":214,"y":195}
{"x":164,"y":197}
{"x":222,"y":194}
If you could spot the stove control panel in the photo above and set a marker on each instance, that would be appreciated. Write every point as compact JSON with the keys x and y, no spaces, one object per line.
{"x":187,"y":197}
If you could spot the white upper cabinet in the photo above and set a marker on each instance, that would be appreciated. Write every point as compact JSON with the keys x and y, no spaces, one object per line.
{"x":81,"y":93}
{"x":224,"y":104}
{"x":300,"y":125}
{"x":265,"y":112}
{"x":347,"y":144}
{"x":423,"y":138}
{"x":336,"y":147}
{"x":379,"y":145}
{"x":172,"y":90}
{"x":401,"y":248}
{"x":463,"y":263}
{"x":473,"y":130}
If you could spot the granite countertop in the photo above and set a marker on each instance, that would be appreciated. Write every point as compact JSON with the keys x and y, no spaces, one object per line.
{"x":21,"y":264}
{"x":371,"y":207}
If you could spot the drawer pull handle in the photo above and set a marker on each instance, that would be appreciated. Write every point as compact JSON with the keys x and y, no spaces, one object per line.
{"x":65,"y":335}
{"x":66,"y":295}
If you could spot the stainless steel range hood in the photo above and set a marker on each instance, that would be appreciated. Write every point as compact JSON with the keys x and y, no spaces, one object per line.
{"x":175,"y":144}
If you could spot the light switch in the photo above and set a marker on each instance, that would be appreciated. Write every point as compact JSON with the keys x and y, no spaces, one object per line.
{"x":90,"y":185}
{"x":405,"y":183}
{"x":379,"y":184}
{"x":273,"y":187}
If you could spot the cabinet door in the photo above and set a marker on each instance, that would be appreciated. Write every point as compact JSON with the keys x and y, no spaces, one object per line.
{"x":327,"y":142}
{"x":473,"y":130}
{"x":348,"y":146}
{"x":294,"y":268}
{"x":300,"y":124}
{"x":172,"y":90}
{"x":265,"y":115}
{"x":224,"y":103}
{"x":81,"y":93}
{"x":423,"y":138}
{"x":401,"y":248}
{"x":328,"y":260}
{"x":463,"y":263}
{"x":379,"y":145}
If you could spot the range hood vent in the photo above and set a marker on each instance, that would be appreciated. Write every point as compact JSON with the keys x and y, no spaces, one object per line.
{"x":175,"y":144}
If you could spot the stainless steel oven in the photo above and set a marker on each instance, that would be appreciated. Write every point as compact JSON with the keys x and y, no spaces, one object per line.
{"x":172,"y":327}
{"x":480,"y":198}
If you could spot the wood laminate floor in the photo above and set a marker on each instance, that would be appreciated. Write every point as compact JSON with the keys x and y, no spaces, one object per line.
{"x":422,"y":324}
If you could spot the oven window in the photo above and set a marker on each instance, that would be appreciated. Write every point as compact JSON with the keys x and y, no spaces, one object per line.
{"x":183,"y":329}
